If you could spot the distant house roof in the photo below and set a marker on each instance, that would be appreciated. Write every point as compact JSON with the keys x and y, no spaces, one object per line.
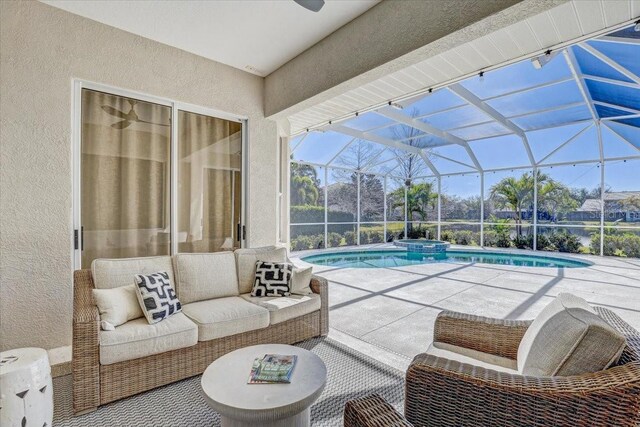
{"x":591,"y":205}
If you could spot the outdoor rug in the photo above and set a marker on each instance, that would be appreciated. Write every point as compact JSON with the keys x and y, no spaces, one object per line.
{"x":350,"y":374}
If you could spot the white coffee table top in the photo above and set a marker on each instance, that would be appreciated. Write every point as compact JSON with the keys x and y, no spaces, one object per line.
{"x":224,"y":384}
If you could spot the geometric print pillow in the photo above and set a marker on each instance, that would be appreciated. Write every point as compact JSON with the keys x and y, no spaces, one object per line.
{"x":156,"y":296}
{"x":272,"y":279}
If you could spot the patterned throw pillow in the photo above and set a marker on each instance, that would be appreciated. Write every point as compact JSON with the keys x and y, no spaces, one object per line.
{"x":272,"y":279}
{"x":156,"y":296}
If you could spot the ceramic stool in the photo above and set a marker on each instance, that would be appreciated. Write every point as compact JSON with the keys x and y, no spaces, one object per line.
{"x":26,"y":392}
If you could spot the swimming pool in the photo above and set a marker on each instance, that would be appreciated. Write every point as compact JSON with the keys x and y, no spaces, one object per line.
{"x":401,"y":258}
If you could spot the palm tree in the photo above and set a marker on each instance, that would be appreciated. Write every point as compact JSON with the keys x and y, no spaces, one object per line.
{"x":420,"y":199}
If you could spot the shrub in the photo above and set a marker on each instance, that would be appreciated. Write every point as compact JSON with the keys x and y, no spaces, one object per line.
{"x":447,"y":236}
{"x":617,"y":243}
{"x":302,"y":243}
{"x":466,"y":237}
{"x":334,"y":239}
{"x":565,"y":241}
{"x":544,"y":244}
{"x":364,"y":237}
{"x":376,"y":237}
{"x":416,"y":232}
{"x":313,"y":214}
{"x":350,"y":238}
{"x":523,"y":242}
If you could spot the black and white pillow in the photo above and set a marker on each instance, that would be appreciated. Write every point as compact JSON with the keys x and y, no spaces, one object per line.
{"x":272,"y":279}
{"x":156,"y":296}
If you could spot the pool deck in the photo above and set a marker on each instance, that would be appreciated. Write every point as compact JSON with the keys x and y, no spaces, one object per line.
{"x":389,"y":313}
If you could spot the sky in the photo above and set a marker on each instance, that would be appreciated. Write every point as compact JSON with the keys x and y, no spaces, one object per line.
{"x":548,"y":106}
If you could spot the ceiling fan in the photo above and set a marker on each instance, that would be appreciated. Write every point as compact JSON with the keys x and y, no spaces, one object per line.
{"x":312,"y":5}
{"x":127,"y":118}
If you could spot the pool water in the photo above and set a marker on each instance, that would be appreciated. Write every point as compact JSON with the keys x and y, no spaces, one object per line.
{"x":400,"y":258}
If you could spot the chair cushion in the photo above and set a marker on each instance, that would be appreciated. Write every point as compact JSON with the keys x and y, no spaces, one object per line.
{"x":137,"y":338}
{"x":568,"y":338}
{"x":113,"y":273}
{"x":226,"y":316}
{"x":246,"y":261}
{"x":472,"y":357}
{"x":286,"y":308}
{"x":205,"y":276}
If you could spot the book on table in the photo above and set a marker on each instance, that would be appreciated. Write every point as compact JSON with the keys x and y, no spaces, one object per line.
{"x":272,"y":369}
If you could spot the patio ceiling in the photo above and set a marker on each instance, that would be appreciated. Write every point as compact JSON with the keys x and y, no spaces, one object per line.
{"x":578,"y":104}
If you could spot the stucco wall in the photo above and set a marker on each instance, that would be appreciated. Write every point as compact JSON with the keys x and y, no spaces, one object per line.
{"x":41,"y":50}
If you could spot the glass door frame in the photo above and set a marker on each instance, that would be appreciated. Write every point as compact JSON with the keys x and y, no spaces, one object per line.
{"x":76,"y":143}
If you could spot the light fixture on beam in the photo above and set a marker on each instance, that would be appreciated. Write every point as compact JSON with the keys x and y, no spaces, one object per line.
{"x":395,"y":105}
{"x":636,"y":27}
{"x":542,"y":60}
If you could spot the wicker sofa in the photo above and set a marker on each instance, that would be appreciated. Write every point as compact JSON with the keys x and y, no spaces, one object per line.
{"x":442,"y":392}
{"x":96,"y":381}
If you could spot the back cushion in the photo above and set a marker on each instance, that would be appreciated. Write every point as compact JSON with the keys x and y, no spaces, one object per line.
{"x":113,"y":273}
{"x":205,"y":276}
{"x":246,"y":260}
{"x":568,"y":338}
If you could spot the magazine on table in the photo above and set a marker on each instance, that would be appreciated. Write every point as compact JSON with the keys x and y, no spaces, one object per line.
{"x":272,"y":368}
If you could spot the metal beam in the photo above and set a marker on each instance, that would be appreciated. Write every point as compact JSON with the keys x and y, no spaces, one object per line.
{"x":429,"y":163}
{"x":373,"y":138}
{"x":620,"y":136}
{"x":564,"y":144}
{"x":611,"y":81}
{"x":626,"y":40}
{"x":604,"y":58}
{"x":582,"y":86}
{"x":472,"y":99}
{"x":393,"y":114}
{"x":617,"y":107}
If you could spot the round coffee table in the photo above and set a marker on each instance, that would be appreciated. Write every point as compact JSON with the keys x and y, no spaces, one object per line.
{"x":224,"y":384}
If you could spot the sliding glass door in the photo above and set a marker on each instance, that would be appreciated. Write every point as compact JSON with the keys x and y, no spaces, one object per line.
{"x":209,"y":183}
{"x":155,"y":179}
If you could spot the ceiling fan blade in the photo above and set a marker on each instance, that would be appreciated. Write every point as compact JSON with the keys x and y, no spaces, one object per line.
{"x":114,"y":112}
{"x":152,"y":123}
{"x":312,"y":5}
{"x":121,"y":125}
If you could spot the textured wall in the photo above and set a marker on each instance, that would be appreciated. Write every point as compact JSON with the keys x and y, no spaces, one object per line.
{"x":41,"y":50}
{"x":388,"y":37}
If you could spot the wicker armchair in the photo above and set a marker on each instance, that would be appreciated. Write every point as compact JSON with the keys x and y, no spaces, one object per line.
{"x":441,"y":392}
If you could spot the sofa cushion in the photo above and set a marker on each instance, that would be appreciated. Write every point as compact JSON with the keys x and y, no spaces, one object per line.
{"x":272,"y":279}
{"x":204,"y":276}
{"x":286,"y":308}
{"x":226,"y":316}
{"x":156,"y":296}
{"x":472,"y":357}
{"x":246,"y":261}
{"x":301,"y":281}
{"x":113,"y":273}
{"x":568,"y":338}
{"x":137,"y":338}
{"x":118,"y":305}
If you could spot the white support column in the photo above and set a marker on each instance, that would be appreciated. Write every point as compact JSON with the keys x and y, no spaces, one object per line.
{"x":439,"y":205}
{"x":535,"y":208}
{"x":384,"y":198}
{"x":598,"y":126}
{"x":481,"y":209}
{"x":405,"y":212}
{"x":326,"y":207}
{"x":358,"y":210}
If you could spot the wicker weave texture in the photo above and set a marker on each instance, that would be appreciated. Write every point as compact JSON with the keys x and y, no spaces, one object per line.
{"x":372,"y":411}
{"x":441,"y":392}
{"x":95,"y":384}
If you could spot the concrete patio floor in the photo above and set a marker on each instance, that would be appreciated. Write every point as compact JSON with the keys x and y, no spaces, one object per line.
{"x":389,"y":313}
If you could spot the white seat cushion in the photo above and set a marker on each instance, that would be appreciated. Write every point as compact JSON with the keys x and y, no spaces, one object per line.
{"x":473,"y":357}
{"x":222,"y":317}
{"x":137,"y":338}
{"x":201,"y":277}
{"x":246,"y":261}
{"x":568,"y":338}
{"x":285,"y":308}
{"x":113,"y":273}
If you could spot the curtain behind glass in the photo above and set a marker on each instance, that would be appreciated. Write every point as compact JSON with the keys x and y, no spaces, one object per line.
{"x":209,"y":183}
{"x":125,"y":177}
